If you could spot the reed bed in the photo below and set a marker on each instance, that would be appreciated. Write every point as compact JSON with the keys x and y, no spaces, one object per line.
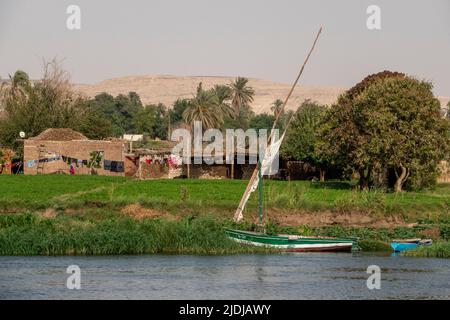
{"x":28,"y":234}
{"x":437,"y":250}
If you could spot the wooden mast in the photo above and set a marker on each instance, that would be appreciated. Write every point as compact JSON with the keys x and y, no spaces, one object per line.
{"x":238,"y":213}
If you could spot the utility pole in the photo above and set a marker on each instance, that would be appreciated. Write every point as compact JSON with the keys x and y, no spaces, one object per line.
{"x":169,"y":128}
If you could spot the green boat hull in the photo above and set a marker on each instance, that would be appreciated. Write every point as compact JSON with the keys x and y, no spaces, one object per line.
{"x":292,"y":243}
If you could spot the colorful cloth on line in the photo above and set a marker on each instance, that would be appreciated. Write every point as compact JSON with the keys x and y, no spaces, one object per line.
{"x":31,"y":163}
{"x":113,"y":166}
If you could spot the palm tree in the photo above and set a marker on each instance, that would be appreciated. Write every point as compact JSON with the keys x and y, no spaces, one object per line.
{"x":223,"y":94}
{"x":203,"y":107}
{"x":276,"y":107}
{"x":242,"y":94}
{"x":17,"y":86}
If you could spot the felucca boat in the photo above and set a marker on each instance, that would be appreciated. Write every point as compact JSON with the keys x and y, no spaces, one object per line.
{"x":282,"y":242}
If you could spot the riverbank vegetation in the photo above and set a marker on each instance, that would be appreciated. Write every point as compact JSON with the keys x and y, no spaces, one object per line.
{"x":102,"y":232}
{"x":383,"y":136}
{"x":62,"y":214}
{"x":437,"y":250}
{"x":28,"y":234}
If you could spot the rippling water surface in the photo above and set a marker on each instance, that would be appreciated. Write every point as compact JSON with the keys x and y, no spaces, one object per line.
{"x":284,"y":276}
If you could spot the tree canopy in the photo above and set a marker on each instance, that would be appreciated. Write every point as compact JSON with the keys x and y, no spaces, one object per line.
{"x":392,"y":122}
{"x":35,"y":106}
{"x":303,"y":136}
{"x":262,"y":121}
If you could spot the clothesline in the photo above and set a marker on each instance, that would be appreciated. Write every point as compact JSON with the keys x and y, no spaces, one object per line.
{"x":109,"y":165}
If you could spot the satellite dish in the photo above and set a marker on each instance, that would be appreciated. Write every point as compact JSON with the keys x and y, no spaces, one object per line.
{"x":22,"y":134}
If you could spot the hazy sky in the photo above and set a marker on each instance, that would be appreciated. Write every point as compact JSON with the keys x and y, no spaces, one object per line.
{"x":254,"y":38}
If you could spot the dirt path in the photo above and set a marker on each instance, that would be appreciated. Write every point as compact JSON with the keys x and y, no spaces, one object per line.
{"x":112,"y":187}
{"x":329,"y":218}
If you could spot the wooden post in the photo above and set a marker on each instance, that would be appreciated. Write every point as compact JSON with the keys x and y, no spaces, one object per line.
{"x":260,"y":194}
{"x":232,"y":168}
{"x":168,"y":127}
{"x":189,"y":170}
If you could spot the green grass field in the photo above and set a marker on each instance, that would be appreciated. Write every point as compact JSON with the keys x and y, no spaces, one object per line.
{"x":40,"y":192}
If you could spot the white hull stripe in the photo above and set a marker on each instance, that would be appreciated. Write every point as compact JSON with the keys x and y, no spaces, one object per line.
{"x":295,"y":246}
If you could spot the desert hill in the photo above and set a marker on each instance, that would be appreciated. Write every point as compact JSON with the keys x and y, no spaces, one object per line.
{"x":166,"y":89}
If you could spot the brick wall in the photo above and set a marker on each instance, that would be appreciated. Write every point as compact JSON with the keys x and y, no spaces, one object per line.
{"x":78,"y":149}
{"x":131,"y":166}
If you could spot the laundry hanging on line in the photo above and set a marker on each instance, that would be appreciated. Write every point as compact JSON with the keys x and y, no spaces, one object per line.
{"x":108,"y":165}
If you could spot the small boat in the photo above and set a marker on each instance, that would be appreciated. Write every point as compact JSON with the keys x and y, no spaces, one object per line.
{"x":292,"y":243}
{"x":408,"y":244}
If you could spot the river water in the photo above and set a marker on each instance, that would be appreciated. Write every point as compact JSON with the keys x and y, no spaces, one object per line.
{"x":283,"y":276}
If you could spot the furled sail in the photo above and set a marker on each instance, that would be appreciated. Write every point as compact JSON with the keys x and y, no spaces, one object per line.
{"x":267,"y":168}
{"x":253,"y":182}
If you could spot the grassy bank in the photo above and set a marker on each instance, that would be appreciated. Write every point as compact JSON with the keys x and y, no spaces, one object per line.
{"x":103,"y":232}
{"x":59,"y":214}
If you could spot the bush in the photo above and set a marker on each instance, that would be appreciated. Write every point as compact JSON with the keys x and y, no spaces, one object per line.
{"x":445,"y":231}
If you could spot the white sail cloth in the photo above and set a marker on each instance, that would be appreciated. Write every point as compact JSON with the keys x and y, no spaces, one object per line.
{"x":268,"y":167}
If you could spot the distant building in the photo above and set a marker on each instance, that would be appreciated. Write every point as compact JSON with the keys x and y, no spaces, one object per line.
{"x":133,"y":137}
{"x":154,"y":160}
{"x":56,"y":150}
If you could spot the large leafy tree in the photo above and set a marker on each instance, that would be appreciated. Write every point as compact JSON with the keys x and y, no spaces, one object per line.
{"x":342,"y":139}
{"x":411,"y":134}
{"x":160,"y":129}
{"x":92,"y":123}
{"x":241,"y":94}
{"x":145,"y":120}
{"x":262,"y":121}
{"x":35,"y":106}
{"x":240,"y":121}
{"x":303,"y":138}
{"x":392,"y":122}
{"x":121,"y":110}
{"x":176,"y":113}
{"x":152,"y":120}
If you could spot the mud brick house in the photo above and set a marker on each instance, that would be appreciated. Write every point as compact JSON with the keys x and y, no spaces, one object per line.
{"x":154,"y":160}
{"x":55,"y":150}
